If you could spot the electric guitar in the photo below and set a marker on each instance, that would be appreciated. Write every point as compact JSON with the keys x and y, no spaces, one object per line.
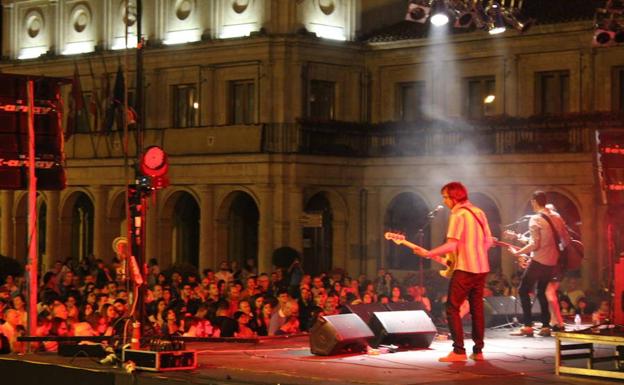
{"x":523,"y":260}
{"x":449,"y":260}
{"x":573,"y":255}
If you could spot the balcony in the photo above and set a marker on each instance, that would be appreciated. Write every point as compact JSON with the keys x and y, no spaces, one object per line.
{"x":501,"y":135}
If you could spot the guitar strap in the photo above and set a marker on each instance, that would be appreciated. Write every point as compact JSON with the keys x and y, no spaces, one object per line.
{"x":554,"y":231}
{"x":477,"y":218}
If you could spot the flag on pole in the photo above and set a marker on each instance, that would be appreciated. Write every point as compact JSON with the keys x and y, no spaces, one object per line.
{"x":95,"y":101}
{"x":76,"y":118}
{"x":116,"y":102}
{"x":104,"y":97}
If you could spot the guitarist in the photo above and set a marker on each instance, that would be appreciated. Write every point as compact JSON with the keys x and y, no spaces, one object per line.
{"x":469,"y":238}
{"x":542,"y":268}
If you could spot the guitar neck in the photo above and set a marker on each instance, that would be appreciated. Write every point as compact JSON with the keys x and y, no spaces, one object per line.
{"x":434,"y":258}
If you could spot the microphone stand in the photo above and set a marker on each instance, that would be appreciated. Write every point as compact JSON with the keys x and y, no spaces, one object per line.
{"x":420,"y":241}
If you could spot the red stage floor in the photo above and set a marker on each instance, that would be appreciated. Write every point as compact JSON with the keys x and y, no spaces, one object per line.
{"x":510,"y":360}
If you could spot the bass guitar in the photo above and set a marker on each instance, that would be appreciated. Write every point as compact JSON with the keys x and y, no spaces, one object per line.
{"x":448,"y":260}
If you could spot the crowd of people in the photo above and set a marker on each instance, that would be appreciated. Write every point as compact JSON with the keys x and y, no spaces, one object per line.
{"x":91,"y":298}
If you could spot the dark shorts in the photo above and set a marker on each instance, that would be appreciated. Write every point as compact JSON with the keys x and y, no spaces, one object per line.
{"x":557,"y":274}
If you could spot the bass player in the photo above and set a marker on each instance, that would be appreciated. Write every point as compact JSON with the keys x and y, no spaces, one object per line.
{"x":468,"y":238}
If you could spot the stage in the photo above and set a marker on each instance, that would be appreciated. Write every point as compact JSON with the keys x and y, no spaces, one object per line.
{"x":509,"y":360}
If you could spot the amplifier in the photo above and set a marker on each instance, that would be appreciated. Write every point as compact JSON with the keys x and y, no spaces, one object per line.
{"x":161,"y":361}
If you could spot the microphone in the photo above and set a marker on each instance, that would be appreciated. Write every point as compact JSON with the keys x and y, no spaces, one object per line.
{"x":433,"y":212}
{"x":520,"y":220}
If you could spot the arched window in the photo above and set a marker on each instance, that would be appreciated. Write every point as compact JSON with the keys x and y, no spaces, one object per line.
{"x":82,"y":228}
{"x":318,"y":241}
{"x":407,"y":213}
{"x":185,"y":232}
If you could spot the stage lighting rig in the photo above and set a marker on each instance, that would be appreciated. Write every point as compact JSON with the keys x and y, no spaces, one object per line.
{"x":493,"y":16}
{"x":152,"y":170}
{"x":418,"y":11}
{"x":609,"y":24}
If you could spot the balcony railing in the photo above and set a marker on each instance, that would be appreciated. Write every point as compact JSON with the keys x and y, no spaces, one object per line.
{"x":502,"y":135}
{"x":571,"y":134}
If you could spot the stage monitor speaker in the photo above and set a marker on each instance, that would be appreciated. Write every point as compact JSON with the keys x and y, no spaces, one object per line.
{"x":411,"y":328}
{"x":501,"y":310}
{"x":342,"y":333}
{"x":402,"y":306}
{"x":365,"y":310}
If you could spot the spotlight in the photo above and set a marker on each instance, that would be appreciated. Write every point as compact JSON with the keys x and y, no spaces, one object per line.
{"x":439,"y":13}
{"x":603,"y":37}
{"x":497,"y":23}
{"x":464,"y":20}
{"x":417,"y":11}
{"x":489,"y":99}
{"x":482,"y":20}
{"x":519,"y":23}
{"x":609,"y":24}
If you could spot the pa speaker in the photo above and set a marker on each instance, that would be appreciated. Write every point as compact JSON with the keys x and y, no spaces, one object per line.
{"x":342,"y":333}
{"x":365,"y":310}
{"x":411,"y":328}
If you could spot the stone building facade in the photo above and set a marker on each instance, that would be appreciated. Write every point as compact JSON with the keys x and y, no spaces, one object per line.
{"x":271,"y":109}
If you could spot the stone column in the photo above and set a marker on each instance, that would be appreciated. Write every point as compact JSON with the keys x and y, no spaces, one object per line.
{"x":19,"y":249}
{"x":6,"y":237}
{"x":207,"y":238}
{"x":374,"y":241}
{"x":339,"y":247}
{"x":295,"y":208}
{"x":265,"y":230}
{"x":593,"y":264}
{"x":510,"y":79}
{"x":356,"y":233}
{"x":100,"y":228}
{"x":9,"y":32}
{"x":52,"y":230}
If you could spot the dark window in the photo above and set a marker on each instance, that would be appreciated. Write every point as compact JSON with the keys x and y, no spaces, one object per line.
{"x":321,"y":104}
{"x":185,"y":105}
{"x":480,"y":97}
{"x":243,"y":102}
{"x":618,"y":89}
{"x":552,"y":92}
{"x":411,"y":101}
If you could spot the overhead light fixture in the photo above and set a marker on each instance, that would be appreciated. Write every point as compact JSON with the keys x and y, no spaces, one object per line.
{"x":439,"y":13}
{"x":493,"y":16}
{"x":603,"y":37}
{"x":497,"y":23}
{"x":514,"y":18}
{"x":464,"y":17}
{"x":609,"y":24}
{"x":418,"y":11}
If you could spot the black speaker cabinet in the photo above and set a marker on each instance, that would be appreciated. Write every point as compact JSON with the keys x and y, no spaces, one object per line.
{"x":365,"y":310}
{"x":410,"y":328}
{"x":336,"y":334}
{"x":401,"y":306}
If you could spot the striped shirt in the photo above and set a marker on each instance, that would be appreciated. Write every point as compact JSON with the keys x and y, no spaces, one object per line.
{"x":473,"y":242}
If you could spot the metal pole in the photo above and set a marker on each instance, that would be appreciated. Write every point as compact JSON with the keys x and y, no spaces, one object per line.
{"x":420,"y":240}
{"x":33,"y":265}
